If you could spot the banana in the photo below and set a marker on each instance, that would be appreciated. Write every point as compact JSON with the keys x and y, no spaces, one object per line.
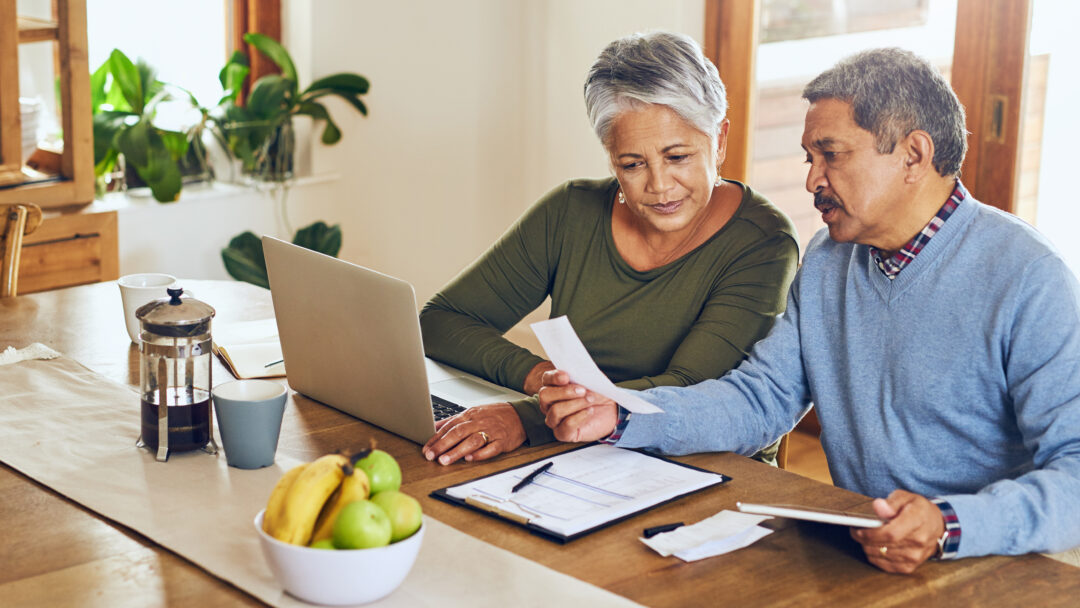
{"x":354,"y":487}
{"x":305,"y":497}
{"x":277,"y":497}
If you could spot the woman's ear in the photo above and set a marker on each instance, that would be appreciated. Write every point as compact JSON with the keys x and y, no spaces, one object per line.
{"x":721,"y":143}
{"x":918,"y":150}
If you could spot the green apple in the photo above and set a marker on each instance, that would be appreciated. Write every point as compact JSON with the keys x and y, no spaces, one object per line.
{"x":362,"y":524}
{"x":403,"y":510}
{"x":325,"y":543}
{"x":382,"y":470}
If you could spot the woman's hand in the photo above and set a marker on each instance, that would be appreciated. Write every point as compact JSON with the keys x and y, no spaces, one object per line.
{"x":909,"y":537}
{"x":478,"y":433}
{"x":573,"y":412}
{"x":535,"y":378}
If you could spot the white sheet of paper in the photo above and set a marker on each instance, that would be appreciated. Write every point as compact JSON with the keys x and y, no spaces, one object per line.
{"x":713,"y":548}
{"x":720,"y":527}
{"x":566,"y":351}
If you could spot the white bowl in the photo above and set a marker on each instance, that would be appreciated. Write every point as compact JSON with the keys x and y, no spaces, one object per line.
{"x":339,"y":577}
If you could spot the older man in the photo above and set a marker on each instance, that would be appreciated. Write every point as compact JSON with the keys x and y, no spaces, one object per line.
{"x":938,"y":337}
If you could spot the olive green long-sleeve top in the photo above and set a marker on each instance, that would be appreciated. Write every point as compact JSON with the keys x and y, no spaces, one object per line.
{"x":687,"y":321}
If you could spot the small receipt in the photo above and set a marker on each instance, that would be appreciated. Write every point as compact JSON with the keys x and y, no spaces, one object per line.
{"x":725,"y":531}
{"x":566,"y":351}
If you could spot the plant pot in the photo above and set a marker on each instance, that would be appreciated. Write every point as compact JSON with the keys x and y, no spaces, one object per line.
{"x":275,"y":160}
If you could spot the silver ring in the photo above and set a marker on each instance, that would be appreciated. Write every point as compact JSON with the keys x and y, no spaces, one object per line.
{"x":485,"y":437}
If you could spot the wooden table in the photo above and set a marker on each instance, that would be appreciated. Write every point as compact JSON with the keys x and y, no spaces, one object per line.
{"x":54,"y":552}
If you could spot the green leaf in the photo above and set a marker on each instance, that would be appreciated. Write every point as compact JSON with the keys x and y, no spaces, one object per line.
{"x":97,"y":87}
{"x":277,"y":53}
{"x":267,"y":97}
{"x":115,"y":97}
{"x":320,"y":237}
{"x":175,"y":142}
{"x":244,"y":259}
{"x":134,"y":143}
{"x":151,"y":86}
{"x":234,"y":72}
{"x":352,"y":99}
{"x":106,"y":163}
{"x":126,"y":77}
{"x":162,"y":174}
{"x":331,"y":134}
{"x":340,"y":83}
{"x":106,"y":123}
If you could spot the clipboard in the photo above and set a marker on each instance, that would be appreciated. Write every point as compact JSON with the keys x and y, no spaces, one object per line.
{"x":571,"y":486}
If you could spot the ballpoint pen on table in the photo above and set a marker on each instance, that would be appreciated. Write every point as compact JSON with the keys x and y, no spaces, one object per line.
{"x":530,"y":477}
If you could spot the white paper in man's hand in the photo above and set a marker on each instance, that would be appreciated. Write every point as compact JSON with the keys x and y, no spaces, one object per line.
{"x":566,"y":351}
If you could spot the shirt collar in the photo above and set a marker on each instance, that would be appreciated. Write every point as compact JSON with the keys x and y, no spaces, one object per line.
{"x":892,"y":266}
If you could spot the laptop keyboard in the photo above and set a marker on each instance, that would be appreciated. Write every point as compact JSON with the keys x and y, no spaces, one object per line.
{"x":444,"y":409}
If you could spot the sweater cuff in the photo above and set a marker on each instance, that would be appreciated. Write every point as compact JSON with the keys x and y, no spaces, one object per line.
{"x":532,"y":419}
{"x":518,"y":369}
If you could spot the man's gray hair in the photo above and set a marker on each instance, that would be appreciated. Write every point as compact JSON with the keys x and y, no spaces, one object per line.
{"x":662,"y":68}
{"x":894,"y":92}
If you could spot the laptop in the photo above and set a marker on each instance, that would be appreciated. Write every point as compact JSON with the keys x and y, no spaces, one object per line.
{"x":350,"y":337}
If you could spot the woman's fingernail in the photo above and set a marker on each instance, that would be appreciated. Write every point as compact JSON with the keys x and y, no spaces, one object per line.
{"x":579,"y":390}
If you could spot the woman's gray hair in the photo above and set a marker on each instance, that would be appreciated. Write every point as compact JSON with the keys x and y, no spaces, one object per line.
{"x":661,"y":68}
{"x":894,"y":92}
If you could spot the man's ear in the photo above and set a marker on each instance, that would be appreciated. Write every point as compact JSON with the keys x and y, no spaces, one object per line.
{"x":918,"y":149}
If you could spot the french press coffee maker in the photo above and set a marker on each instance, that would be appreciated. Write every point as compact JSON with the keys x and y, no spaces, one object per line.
{"x":174,"y":372}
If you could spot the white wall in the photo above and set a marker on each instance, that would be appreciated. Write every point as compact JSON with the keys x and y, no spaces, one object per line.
{"x":475,"y":111}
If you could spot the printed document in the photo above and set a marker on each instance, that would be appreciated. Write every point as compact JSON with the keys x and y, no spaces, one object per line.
{"x":586,"y":488}
{"x":564,"y":348}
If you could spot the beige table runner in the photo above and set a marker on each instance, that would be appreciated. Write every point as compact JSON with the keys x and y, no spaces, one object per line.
{"x":74,"y":431}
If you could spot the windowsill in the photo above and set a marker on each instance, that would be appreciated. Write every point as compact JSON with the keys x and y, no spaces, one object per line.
{"x":200,"y":192}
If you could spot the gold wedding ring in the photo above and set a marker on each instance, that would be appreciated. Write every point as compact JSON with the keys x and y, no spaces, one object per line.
{"x":883,"y":550}
{"x":485,"y":437}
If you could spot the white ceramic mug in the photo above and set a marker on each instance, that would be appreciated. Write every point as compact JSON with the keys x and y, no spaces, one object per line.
{"x":138,"y":289}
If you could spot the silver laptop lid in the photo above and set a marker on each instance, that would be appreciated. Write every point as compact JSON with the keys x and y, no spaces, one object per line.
{"x":351,"y":338}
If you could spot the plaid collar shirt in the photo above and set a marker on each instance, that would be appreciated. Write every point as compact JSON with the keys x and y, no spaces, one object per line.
{"x":892,"y":266}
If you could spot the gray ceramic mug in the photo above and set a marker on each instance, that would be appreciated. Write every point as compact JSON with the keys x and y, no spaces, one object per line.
{"x":249,"y":416}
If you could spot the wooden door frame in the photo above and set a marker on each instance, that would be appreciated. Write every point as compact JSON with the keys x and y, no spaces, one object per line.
{"x":731,"y":40}
{"x":988,"y":74}
{"x":262,"y":16}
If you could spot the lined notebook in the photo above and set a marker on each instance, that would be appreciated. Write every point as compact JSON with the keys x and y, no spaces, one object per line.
{"x":250,"y":349}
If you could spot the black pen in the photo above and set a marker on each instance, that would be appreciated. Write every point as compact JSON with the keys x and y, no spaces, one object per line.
{"x":530,"y":477}
{"x":653,"y":531}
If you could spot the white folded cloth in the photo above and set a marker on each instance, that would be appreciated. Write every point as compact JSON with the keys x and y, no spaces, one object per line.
{"x":36,"y":350}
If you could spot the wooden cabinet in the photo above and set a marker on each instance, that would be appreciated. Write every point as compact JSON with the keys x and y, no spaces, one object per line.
{"x":75,"y":243}
{"x":70,"y":247}
{"x":73,"y":184}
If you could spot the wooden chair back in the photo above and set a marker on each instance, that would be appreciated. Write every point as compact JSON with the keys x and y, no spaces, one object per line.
{"x":782,"y":451}
{"x":17,"y":220}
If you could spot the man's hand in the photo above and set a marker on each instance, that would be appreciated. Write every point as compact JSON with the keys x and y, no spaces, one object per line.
{"x":914,"y":525}
{"x":478,"y":433}
{"x":573,"y":412}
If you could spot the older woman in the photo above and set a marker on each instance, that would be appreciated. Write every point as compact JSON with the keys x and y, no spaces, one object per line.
{"x":668,"y":272}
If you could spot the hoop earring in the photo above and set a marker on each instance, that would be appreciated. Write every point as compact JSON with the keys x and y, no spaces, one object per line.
{"x":622,"y":199}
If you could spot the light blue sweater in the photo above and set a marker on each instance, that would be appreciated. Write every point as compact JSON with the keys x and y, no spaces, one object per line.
{"x":959,"y":379}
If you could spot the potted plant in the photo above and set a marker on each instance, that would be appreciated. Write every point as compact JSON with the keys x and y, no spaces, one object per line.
{"x":260,"y":134}
{"x":125,"y":98}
